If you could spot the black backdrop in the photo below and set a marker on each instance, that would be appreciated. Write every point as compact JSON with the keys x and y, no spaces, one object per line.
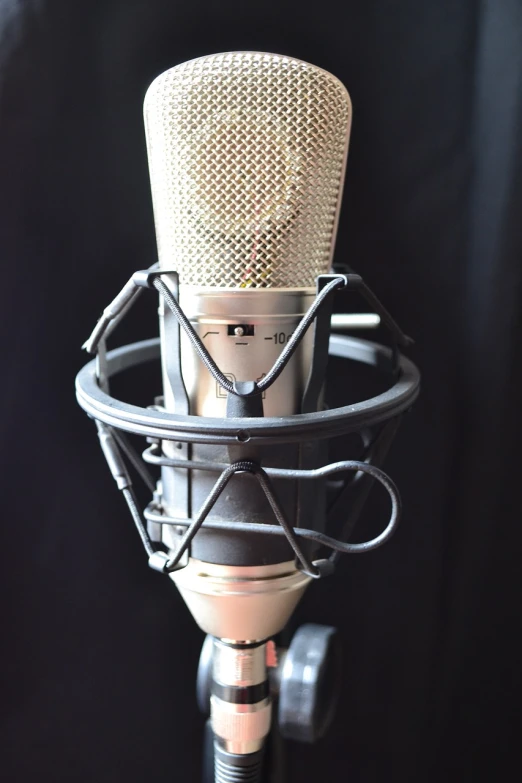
{"x":98,"y":652}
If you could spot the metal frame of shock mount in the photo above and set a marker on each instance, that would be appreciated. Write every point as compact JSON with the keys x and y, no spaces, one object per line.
{"x":244,"y":424}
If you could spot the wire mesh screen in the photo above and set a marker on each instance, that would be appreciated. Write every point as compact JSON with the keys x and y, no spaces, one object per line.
{"x":247,"y":153}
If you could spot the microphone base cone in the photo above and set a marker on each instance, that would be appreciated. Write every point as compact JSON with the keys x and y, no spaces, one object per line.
{"x":241,"y":603}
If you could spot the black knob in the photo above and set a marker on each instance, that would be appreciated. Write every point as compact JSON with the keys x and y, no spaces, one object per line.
{"x":309,"y":683}
{"x":204,"y":677}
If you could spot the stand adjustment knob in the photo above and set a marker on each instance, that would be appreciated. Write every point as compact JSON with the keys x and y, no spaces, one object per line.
{"x":309,"y":683}
{"x":204,"y":677}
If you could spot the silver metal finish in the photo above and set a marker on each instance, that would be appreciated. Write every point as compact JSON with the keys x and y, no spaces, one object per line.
{"x":240,"y":727}
{"x":273,"y":315}
{"x":355,"y":321}
{"x":240,"y":603}
{"x":238,"y":667}
{"x":247,"y":154}
{"x":158,"y":561}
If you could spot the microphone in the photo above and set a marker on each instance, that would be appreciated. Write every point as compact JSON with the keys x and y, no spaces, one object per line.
{"x":247,"y":155}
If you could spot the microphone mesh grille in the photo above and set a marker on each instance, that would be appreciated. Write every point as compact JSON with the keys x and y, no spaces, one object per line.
{"x":247,"y":153}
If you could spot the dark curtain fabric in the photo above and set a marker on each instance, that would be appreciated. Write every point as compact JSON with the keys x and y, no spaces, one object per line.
{"x":98,"y":652}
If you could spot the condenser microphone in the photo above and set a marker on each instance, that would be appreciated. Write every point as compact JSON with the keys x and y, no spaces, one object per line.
{"x":247,"y":155}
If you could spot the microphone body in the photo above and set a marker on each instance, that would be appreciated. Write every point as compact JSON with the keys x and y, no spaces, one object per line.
{"x":247,"y":155}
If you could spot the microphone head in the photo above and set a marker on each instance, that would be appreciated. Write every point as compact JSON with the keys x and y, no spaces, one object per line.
{"x":247,"y":154}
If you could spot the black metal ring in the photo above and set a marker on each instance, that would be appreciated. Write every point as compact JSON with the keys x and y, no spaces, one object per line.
{"x":260,"y":431}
